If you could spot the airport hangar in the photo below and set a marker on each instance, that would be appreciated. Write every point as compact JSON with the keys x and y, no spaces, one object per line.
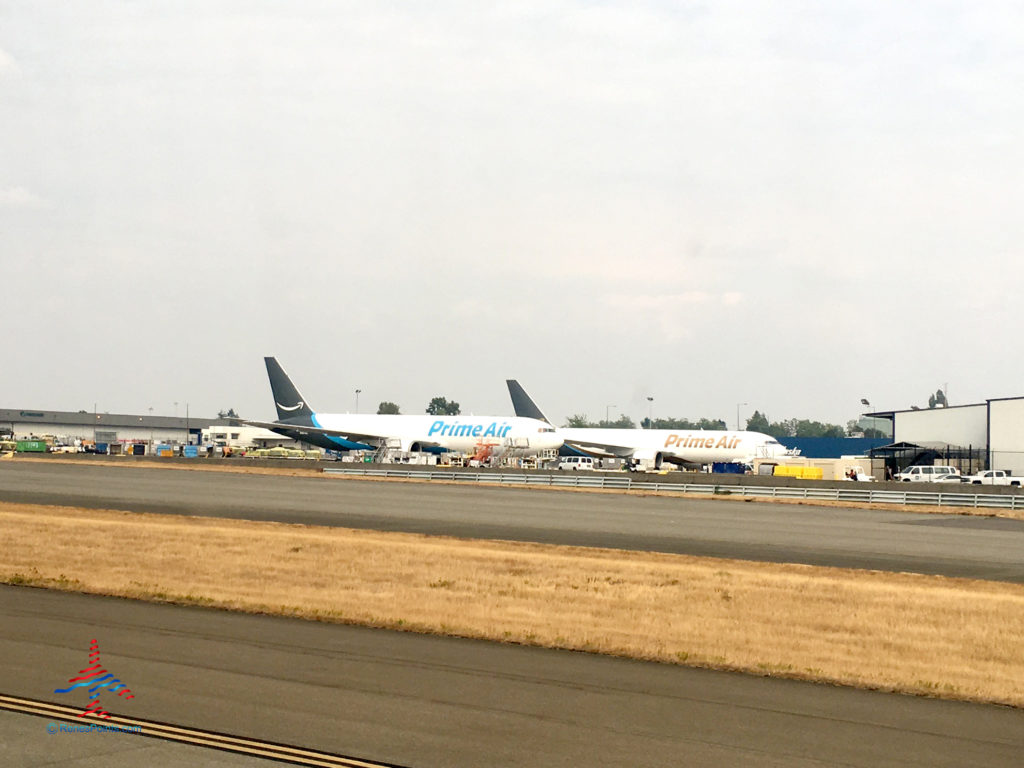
{"x":127,"y":428}
{"x":988,"y":435}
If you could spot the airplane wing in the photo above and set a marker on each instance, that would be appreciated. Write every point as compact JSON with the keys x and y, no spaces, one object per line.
{"x":605,"y":450}
{"x":355,"y":437}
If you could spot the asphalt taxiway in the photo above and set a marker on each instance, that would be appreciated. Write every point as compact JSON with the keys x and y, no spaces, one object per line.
{"x":946,"y":544}
{"x":430,"y":701}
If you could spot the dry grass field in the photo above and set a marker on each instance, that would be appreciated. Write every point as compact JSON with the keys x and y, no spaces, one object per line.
{"x":928,"y":635}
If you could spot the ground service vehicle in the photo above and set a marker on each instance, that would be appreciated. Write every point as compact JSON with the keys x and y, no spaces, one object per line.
{"x":926,"y":474}
{"x":993,"y":477}
{"x":576,"y":462}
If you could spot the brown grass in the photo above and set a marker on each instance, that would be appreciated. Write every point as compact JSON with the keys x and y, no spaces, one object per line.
{"x":930,"y":635}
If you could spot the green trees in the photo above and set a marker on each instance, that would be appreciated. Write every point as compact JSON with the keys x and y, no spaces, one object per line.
{"x":580,"y":420}
{"x":623,"y":422}
{"x":675,"y":423}
{"x":939,"y":398}
{"x":441,"y":406}
{"x":793,"y":427}
{"x":756,"y":423}
{"x":387,"y":407}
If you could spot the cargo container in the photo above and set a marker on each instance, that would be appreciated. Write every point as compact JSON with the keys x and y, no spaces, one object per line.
{"x":805,"y":473}
{"x":31,"y":446}
{"x":728,"y":468}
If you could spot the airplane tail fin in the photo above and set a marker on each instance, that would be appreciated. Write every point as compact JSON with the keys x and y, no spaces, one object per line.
{"x":521,"y":402}
{"x":290,"y":404}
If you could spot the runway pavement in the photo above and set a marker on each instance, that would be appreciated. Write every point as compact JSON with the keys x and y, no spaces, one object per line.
{"x":952,"y":545}
{"x":428,"y":701}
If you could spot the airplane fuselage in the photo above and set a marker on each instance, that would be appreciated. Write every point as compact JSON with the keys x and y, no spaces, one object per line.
{"x":463,"y":434}
{"x":695,"y":446}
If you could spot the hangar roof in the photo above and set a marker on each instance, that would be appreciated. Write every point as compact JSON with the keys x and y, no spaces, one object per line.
{"x":890,"y":414}
{"x":87,"y":418}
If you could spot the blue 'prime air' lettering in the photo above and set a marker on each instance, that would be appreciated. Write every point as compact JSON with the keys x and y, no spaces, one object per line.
{"x":469,"y":430}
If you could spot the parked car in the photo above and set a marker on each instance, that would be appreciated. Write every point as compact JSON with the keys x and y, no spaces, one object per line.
{"x":927,"y":474}
{"x":993,"y":477}
{"x":950,"y":478}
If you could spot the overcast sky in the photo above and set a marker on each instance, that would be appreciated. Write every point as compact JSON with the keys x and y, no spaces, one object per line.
{"x":790,"y":205}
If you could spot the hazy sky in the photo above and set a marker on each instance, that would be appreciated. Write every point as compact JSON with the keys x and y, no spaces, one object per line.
{"x":791,"y":205}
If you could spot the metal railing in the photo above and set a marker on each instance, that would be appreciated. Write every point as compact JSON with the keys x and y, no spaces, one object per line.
{"x":624,"y":482}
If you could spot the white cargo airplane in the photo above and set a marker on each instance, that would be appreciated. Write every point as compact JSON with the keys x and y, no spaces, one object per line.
{"x":676,"y":446}
{"x":480,"y":436}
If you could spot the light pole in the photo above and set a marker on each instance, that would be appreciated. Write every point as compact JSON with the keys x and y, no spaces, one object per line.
{"x":607,"y":418}
{"x":357,"y":399}
{"x":650,"y":412}
{"x":738,"y":415}
{"x":866,"y":403}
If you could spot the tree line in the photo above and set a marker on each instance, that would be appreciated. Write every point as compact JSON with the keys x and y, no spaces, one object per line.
{"x":758,"y":422}
{"x":439,"y":406}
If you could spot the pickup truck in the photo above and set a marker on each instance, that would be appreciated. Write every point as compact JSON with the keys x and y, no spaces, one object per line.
{"x":993,"y":477}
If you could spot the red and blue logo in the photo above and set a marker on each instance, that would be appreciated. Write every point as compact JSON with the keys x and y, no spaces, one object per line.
{"x":95,"y":678}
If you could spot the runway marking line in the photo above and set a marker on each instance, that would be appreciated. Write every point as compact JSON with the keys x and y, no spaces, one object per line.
{"x":193,"y":736}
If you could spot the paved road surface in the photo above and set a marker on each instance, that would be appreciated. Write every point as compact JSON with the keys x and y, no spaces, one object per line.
{"x":952,"y":545}
{"x":427,"y":701}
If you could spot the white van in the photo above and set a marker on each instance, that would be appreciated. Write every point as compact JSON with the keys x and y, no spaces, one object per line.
{"x":575,"y":462}
{"x":926,"y":474}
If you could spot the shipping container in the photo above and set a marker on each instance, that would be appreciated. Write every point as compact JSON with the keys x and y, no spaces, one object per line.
{"x":31,"y":446}
{"x":728,"y":468}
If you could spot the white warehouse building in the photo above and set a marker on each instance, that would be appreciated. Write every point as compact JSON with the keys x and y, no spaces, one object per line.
{"x":1006,"y":434}
{"x":992,"y":431}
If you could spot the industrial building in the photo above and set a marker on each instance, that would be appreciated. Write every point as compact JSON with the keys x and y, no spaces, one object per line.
{"x":976,"y":436}
{"x":69,"y":427}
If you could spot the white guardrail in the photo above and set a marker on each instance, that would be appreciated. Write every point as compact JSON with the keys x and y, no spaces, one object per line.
{"x":623,"y":482}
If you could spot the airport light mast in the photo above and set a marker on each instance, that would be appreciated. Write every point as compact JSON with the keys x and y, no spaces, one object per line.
{"x":738,"y":415}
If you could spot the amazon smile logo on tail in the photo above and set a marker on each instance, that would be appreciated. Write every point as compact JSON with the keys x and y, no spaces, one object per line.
{"x":286,"y":408}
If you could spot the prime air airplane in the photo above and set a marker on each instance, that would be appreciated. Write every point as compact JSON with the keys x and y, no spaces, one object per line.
{"x":676,"y":446}
{"x":480,"y":436}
